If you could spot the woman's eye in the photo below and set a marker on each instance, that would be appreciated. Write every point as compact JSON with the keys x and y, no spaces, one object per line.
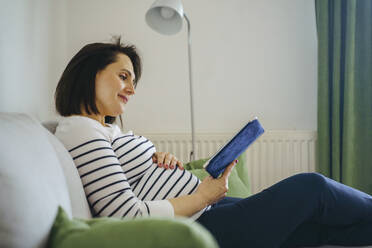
{"x":123,"y":77}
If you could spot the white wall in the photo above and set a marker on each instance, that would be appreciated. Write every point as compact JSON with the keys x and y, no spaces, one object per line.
{"x":31,"y":39}
{"x":251,"y":57}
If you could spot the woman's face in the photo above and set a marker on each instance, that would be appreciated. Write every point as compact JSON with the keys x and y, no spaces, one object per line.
{"x":114,"y":86}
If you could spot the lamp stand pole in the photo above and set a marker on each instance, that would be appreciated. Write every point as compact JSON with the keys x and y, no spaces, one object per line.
{"x":192,"y":153}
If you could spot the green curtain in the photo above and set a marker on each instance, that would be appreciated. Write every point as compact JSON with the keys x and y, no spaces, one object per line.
{"x":344,"y":149}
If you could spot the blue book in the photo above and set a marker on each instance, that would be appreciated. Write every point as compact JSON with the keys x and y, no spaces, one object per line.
{"x":232,"y":149}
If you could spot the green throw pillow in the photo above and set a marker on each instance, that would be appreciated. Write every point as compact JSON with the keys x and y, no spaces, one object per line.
{"x":238,"y":180}
{"x":140,"y":233}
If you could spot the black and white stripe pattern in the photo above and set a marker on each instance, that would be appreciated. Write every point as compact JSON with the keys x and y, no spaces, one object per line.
{"x":135,"y":155}
{"x":106,"y":186}
{"x":117,"y":171}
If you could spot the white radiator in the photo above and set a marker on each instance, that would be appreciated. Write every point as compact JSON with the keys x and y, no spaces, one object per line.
{"x":274,"y":156}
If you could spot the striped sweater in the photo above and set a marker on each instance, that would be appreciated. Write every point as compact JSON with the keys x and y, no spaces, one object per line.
{"x":118,"y":173}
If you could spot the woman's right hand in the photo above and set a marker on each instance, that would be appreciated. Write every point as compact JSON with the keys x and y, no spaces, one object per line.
{"x":212,"y":189}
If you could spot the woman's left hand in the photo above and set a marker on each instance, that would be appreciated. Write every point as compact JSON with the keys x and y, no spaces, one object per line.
{"x":166,"y":160}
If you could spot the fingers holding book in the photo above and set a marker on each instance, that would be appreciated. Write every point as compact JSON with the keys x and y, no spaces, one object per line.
{"x":214,"y":189}
{"x":228,"y":169}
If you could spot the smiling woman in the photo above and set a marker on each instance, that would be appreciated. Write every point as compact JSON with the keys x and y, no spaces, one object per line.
{"x":122,"y":174}
{"x":114,"y":86}
{"x":109,"y":72}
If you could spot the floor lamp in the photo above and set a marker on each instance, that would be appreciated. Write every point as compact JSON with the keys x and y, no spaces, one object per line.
{"x":165,"y":17}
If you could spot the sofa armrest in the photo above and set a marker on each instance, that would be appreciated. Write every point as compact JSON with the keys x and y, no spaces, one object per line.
{"x":141,"y":233}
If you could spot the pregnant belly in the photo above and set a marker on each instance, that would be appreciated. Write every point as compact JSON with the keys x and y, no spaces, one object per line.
{"x":159,"y":183}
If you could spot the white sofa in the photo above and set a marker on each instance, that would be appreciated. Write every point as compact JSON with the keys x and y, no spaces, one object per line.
{"x":36,"y":175}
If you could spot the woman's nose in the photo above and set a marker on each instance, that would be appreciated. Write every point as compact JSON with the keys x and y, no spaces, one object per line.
{"x":129,"y":88}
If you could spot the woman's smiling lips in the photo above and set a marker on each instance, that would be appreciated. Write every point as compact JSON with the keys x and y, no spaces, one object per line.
{"x":125,"y":100}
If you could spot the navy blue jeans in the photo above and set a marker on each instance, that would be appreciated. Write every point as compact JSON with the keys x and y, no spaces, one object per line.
{"x":306,"y":209}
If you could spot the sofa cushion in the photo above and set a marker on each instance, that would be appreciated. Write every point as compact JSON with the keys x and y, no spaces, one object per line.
{"x":140,"y":233}
{"x":79,"y":203}
{"x":238,"y":180}
{"x":32,"y":183}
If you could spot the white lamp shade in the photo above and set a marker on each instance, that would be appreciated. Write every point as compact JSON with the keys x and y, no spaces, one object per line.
{"x":165,"y":16}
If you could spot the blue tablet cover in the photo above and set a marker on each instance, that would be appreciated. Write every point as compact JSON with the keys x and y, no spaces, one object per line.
{"x":236,"y":146}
